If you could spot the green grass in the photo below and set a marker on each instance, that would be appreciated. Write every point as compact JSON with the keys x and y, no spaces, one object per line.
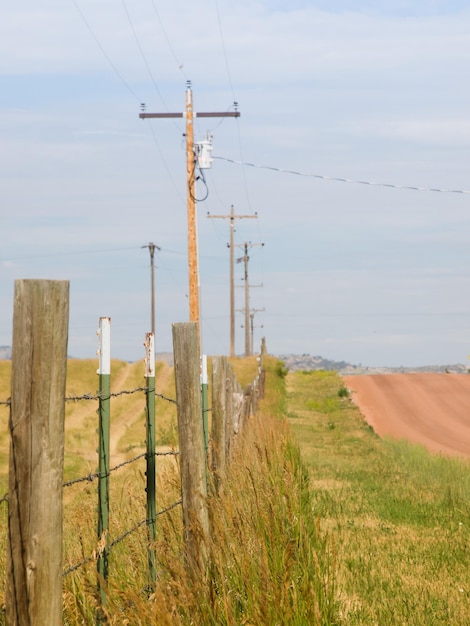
{"x":319,"y":522}
{"x":398,"y":515}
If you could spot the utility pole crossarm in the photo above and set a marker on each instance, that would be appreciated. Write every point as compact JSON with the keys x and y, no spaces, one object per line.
{"x":144,"y":116}
{"x":231,"y":216}
{"x":221,"y":114}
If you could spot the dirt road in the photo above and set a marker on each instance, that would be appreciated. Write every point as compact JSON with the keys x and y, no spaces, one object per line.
{"x":430,"y":409}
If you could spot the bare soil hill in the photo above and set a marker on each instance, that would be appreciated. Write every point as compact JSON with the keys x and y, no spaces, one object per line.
{"x":430,"y":409}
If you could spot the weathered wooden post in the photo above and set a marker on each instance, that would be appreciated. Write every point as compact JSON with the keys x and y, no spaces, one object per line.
{"x":228,"y":410}
{"x":247,"y":403}
{"x":237,"y":408}
{"x":191,"y":444}
{"x":219,"y":368}
{"x":39,"y":365}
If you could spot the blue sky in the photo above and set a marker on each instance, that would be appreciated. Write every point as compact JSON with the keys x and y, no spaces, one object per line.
{"x":371,"y":91}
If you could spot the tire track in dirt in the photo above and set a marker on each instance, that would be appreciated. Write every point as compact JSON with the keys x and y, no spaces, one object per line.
{"x":134,"y":407}
{"x":122,"y":419}
{"x":127,"y":412}
{"x":429,"y":409}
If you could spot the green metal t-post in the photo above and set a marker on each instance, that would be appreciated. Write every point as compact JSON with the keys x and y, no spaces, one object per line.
{"x":205,"y":402}
{"x":150,"y":455}
{"x":104,"y":371}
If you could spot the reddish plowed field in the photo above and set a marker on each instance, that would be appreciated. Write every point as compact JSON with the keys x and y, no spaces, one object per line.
{"x":430,"y":409}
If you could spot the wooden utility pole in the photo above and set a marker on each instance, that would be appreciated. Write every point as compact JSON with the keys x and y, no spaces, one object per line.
{"x":232,"y":217}
{"x":252,"y":325}
{"x":38,"y":375}
{"x":194,"y":310}
{"x":245,"y":258}
{"x":151,"y":246}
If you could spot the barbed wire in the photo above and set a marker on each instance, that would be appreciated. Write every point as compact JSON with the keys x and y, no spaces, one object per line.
{"x":343,"y":180}
{"x":118,"y":540}
{"x":93,"y":476}
{"x":102,"y":396}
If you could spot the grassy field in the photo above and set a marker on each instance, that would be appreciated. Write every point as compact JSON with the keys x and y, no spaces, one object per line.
{"x":319,"y":521}
{"x":268,"y":563}
{"x":398,"y":516}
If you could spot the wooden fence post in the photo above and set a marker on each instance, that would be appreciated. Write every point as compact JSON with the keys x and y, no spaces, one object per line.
{"x":219,"y":367}
{"x":39,"y":365}
{"x":247,"y":403}
{"x":228,"y":410}
{"x":237,"y":408}
{"x":191,"y":444}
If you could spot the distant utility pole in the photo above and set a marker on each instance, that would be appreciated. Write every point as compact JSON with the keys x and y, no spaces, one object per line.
{"x":252,"y":326}
{"x":245,"y":258}
{"x":232,"y":217}
{"x":194,"y":312}
{"x":151,"y":246}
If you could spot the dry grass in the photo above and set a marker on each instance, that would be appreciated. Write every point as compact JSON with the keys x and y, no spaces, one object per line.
{"x":268,"y":561}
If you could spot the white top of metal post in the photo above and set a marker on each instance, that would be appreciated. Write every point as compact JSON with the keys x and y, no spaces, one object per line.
{"x":204,"y":377}
{"x":104,"y":346}
{"x":149,"y":355}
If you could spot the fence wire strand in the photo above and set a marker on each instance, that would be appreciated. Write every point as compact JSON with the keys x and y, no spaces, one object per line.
{"x":103,"y":396}
{"x":94,"y":475}
{"x":118,"y":540}
{"x":116,"y":394}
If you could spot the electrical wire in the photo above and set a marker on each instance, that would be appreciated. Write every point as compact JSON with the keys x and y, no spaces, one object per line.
{"x":180,"y":65}
{"x":224,"y":49}
{"x":104,"y":53}
{"x":165,"y":164}
{"x":343,"y":180}
{"x":126,"y":84}
{"x":142,"y":54}
{"x":69,"y":253}
{"x":192,"y":179}
{"x":239,"y":134}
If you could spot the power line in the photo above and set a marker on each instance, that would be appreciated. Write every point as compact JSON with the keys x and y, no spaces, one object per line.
{"x":180,"y":65}
{"x":68,"y":253}
{"x":343,"y":180}
{"x":142,"y":53}
{"x":104,"y":53}
{"x":141,"y":50}
{"x":224,"y":49}
{"x":311,"y":315}
{"x":122,"y":79}
{"x":227,"y":68}
{"x":165,"y":164}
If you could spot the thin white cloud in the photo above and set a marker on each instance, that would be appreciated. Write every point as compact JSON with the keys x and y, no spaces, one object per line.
{"x":366,"y":90}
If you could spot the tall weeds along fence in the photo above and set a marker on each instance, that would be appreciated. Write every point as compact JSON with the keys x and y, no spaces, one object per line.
{"x":37,"y":416}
